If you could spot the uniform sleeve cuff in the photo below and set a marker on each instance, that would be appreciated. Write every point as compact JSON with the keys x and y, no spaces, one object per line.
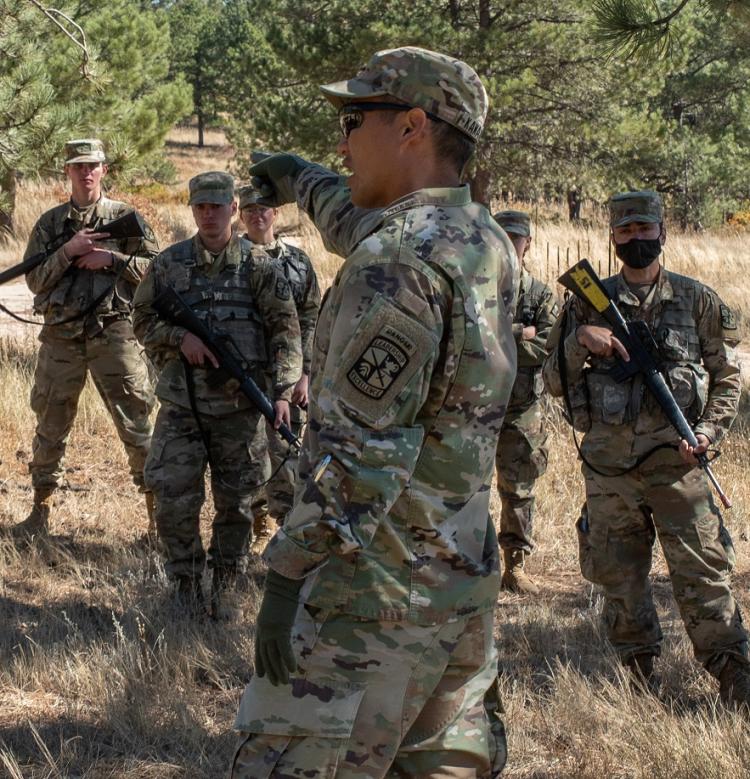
{"x":288,"y":558}
{"x":712,"y":432}
{"x":176,"y":336}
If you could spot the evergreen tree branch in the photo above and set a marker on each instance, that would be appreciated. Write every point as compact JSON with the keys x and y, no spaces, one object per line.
{"x":52,"y":14}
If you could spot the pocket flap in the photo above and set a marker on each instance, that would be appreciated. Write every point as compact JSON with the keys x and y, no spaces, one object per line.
{"x":304,"y":707}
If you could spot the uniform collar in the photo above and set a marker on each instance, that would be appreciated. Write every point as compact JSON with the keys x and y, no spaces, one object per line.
{"x":439,"y":196}
{"x":84,"y":215}
{"x":231,"y":254}
{"x":662,"y":290}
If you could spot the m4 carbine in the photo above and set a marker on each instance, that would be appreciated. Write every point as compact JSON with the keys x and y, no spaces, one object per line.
{"x":636,"y":337}
{"x":130,"y":225}
{"x":172,"y":306}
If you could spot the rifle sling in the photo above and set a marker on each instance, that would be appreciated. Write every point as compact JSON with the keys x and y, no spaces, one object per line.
{"x":206,"y":434}
{"x":563,"y":368}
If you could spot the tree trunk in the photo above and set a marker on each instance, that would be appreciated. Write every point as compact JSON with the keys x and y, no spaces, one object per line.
{"x":8,"y":194}
{"x":201,"y":130}
{"x":485,"y":19}
{"x":480,"y":185}
{"x":198,"y":100}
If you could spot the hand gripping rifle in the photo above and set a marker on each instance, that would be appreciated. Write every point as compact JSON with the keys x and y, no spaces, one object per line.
{"x":130,"y":225}
{"x":636,"y":337}
{"x":172,"y":306}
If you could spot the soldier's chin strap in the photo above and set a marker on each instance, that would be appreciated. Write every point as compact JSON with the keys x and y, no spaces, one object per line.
{"x":563,"y":368}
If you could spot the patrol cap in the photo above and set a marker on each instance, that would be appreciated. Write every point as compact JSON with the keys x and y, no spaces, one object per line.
{"x":641,"y":206}
{"x":516,"y":222}
{"x":440,"y":85}
{"x":215,"y":187}
{"x":249,"y":196}
{"x":84,"y":150}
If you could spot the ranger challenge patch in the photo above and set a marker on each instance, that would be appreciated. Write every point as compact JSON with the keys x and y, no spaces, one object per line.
{"x":728,"y":320}
{"x":384,"y":357}
{"x":382,"y":362}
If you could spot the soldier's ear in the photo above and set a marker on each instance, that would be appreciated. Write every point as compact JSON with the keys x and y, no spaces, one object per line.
{"x":663,"y":234}
{"x":105,"y":168}
{"x":234,"y":207}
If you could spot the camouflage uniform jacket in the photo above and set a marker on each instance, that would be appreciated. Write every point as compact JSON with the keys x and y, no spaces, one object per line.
{"x":413,"y":363}
{"x":61,"y":291}
{"x":696,"y":335}
{"x":240,"y":294}
{"x":303,"y":282}
{"x":536,"y":306}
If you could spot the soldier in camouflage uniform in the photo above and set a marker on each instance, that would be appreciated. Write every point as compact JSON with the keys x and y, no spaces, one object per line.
{"x":203,"y":418}
{"x":84,"y":290}
{"x":384,"y":577}
{"x":522,"y":451}
{"x":303,"y":283}
{"x":655,"y":490}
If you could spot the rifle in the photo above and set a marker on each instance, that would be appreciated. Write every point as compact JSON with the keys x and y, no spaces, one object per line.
{"x":636,"y":337}
{"x":172,"y":306}
{"x":130,"y":225}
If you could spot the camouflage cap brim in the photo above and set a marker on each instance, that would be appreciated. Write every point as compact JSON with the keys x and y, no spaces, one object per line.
{"x":217,"y":197}
{"x":87,"y":158}
{"x":630,"y":218}
{"x":340,"y":92}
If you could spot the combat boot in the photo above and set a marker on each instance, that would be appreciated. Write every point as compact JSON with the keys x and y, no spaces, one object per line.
{"x":734,"y":684}
{"x":37,"y":523}
{"x":643,"y":679}
{"x":515,"y":578}
{"x":188,"y":595}
{"x":261,"y":531}
{"x":224,"y":597}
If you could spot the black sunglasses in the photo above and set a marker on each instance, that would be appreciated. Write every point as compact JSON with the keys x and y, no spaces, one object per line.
{"x":352,"y":115}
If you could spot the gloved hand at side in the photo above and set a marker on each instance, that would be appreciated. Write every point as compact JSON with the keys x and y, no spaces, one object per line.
{"x":273,"y":638}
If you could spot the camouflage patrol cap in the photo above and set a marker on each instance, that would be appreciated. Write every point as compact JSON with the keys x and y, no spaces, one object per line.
{"x":249,"y":196}
{"x":84,"y":150}
{"x":641,"y":206}
{"x":516,"y":222}
{"x":215,"y":187}
{"x":441,"y":85}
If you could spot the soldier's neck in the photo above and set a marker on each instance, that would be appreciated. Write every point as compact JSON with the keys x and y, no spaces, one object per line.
{"x":647,"y":275}
{"x":84,"y":198}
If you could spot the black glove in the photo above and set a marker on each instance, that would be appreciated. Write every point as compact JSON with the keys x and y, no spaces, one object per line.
{"x":273,"y":636}
{"x":274,"y":175}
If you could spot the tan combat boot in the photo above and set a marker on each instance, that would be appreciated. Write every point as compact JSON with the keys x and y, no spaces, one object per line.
{"x":261,"y":531}
{"x":515,"y":578}
{"x":37,"y":523}
{"x":225,"y":604}
{"x":734,"y":684}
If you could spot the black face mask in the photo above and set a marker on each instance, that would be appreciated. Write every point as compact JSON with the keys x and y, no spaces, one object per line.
{"x":639,"y":252}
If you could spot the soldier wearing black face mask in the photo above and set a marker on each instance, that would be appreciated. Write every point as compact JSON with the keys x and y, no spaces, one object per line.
{"x":643,"y":483}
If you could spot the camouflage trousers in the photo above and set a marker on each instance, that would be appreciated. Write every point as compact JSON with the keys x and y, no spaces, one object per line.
{"x":120,"y":374}
{"x":520,"y":460}
{"x":175,"y":471}
{"x":377,"y":699}
{"x":622,"y":517}
{"x":277,"y":496}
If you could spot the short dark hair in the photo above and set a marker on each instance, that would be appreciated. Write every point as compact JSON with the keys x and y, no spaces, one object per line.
{"x":450,"y":142}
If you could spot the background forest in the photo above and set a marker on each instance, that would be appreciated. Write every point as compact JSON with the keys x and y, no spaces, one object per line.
{"x":604,"y":95}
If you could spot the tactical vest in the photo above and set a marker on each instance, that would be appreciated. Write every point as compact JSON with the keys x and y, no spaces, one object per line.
{"x":529,"y":384}
{"x":675,"y":329}
{"x":78,"y":288}
{"x":297,"y":272}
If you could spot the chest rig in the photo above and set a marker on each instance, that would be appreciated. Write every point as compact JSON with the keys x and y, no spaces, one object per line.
{"x":224,"y":300}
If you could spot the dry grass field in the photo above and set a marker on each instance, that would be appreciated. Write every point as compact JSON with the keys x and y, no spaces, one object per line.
{"x":100,"y":677}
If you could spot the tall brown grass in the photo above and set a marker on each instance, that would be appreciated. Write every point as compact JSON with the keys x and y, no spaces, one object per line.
{"x":100,"y":677}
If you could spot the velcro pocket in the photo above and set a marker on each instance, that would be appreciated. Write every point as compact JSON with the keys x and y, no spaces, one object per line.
{"x":324,"y":708}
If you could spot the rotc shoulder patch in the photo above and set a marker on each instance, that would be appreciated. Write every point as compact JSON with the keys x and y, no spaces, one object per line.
{"x":382,"y":362}
{"x":283,"y":290}
{"x":728,"y":320}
